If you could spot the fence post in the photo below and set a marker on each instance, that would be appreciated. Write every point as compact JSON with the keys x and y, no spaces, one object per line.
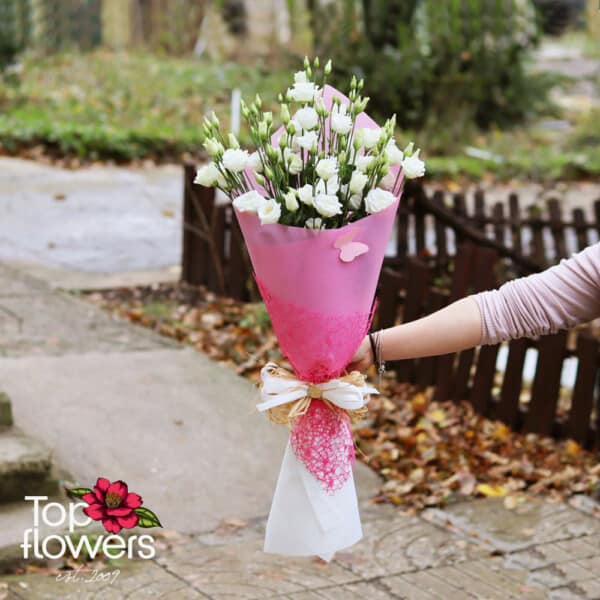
{"x":546,"y":385}
{"x":582,"y":400}
{"x":508,"y":409}
{"x":463,"y":267}
{"x":195,"y":258}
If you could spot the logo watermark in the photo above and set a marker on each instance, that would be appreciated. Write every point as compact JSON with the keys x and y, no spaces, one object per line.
{"x":110,"y":503}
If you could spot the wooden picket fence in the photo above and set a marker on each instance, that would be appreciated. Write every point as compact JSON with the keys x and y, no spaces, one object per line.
{"x":442,"y":252}
{"x":530,"y":239}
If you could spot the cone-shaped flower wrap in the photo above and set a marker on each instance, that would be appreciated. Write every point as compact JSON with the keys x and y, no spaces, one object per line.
{"x":316,"y":203}
{"x":318,"y":287}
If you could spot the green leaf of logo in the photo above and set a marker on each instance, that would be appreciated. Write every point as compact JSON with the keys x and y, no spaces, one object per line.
{"x":79,"y":492}
{"x":147,"y":518}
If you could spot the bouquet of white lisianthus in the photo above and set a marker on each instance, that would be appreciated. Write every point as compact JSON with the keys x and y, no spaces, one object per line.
{"x":316,"y":203}
{"x":322,"y":171}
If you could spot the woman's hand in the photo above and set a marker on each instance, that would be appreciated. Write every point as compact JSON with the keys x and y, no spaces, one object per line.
{"x":363,"y":358}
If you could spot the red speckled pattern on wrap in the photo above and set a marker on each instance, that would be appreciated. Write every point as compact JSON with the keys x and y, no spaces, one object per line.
{"x":323,"y":356}
{"x":322,"y":440}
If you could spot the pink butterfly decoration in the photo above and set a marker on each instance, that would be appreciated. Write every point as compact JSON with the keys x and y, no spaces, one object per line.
{"x":349,"y":249}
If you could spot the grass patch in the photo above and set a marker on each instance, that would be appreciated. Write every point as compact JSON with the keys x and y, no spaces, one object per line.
{"x":129,"y":106}
{"x":121,"y":106}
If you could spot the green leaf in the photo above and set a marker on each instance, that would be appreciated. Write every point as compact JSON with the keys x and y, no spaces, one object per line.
{"x":147,"y":518}
{"x":79,"y":492}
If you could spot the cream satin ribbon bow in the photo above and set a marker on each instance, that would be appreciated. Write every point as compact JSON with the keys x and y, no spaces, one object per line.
{"x":277,"y":390}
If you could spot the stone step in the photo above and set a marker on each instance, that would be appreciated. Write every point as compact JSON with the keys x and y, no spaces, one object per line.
{"x":25,"y":467}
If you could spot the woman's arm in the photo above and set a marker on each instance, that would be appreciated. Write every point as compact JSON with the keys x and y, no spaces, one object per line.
{"x":455,"y":327}
{"x":558,"y":298}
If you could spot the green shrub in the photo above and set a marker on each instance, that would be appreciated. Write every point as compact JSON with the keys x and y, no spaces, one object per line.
{"x":439,"y":63}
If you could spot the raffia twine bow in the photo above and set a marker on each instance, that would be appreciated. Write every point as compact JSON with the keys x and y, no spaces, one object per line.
{"x":285,"y":398}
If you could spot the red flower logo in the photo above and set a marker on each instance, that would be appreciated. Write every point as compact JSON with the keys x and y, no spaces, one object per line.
{"x":114,"y":505}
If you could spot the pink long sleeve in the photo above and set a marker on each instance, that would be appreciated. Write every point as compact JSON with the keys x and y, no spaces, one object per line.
{"x":558,"y":298}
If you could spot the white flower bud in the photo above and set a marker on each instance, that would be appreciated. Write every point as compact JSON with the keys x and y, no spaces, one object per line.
{"x":213,"y":147}
{"x":233,"y":143}
{"x":291,"y":202}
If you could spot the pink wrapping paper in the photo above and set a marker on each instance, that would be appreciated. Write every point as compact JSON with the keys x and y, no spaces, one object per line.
{"x":319,"y":305}
{"x":321,"y":309}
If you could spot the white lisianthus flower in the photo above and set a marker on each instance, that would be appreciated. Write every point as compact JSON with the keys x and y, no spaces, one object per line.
{"x":327,"y":205}
{"x":249,"y":202}
{"x":207,"y":175}
{"x":393,"y":153}
{"x":413,"y":166}
{"x":303,"y":91}
{"x":314,"y":223}
{"x":305,"y":193}
{"x":235,"y":160}
{"x":378,"y":199}
{"x":293,"y":162}
{"x":362,"y":162}
{"x":370,"y":137}
{"x":255,"y":163}
{"x":326,"y":168}
{"x":300,"y":77}
{"x":308,"y":140}
{"x":269,"y":212}
{"x":328,"y":187}
{"x":291,"y":202}
{"x":355,"y":201}
{"x":307,"y":117}
{"x":341,"y":123}
{"x":358,"y":182}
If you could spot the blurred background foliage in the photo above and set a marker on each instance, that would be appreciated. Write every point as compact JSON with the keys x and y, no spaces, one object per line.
{"x":442,"y":64}
{"x":129,"y":79}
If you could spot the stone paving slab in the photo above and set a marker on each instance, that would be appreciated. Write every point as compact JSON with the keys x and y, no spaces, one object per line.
{"x":404,"y":544}
{"x":37,"y":320}
{"x":139,"y":580}
{"x":534,"y":522}
{"x":61,"y":278}
{"x":95,"y":219}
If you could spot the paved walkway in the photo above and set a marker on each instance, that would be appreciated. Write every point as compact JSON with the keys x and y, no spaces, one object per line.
{"x":97,"y":219}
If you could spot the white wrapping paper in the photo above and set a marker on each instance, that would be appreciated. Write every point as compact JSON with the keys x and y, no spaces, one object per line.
{"x":305,"y":520}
